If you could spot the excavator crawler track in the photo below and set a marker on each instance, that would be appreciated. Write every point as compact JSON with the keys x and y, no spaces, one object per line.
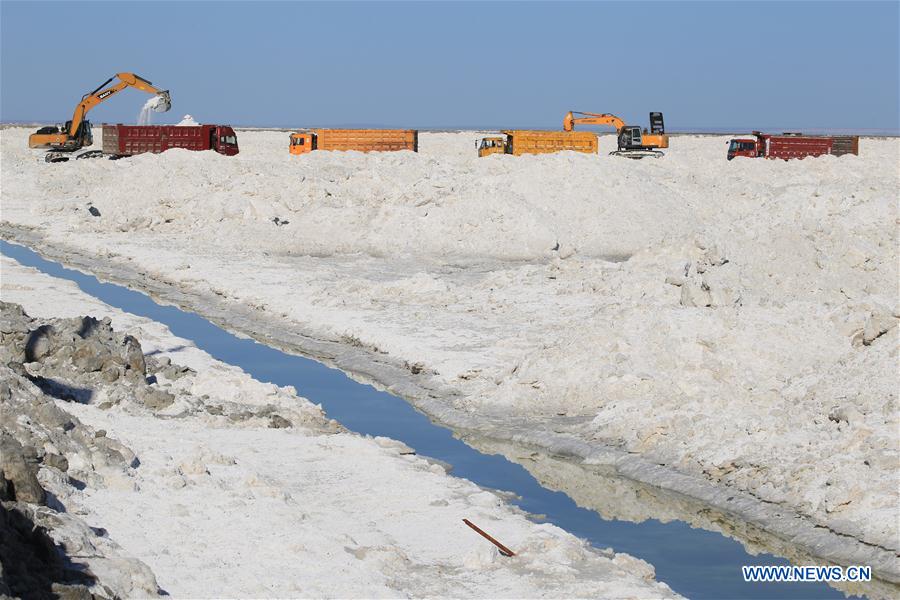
{"x":637,"y":154}
{"x":55,"y":157}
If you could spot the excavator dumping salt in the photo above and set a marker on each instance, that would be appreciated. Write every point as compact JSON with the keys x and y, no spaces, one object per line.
{"x":76,"y":133}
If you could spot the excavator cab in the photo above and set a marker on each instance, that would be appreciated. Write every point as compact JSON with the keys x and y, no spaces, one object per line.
{"x":491,"y":145}
{"x":84,"y":136}
{"x":58,"y":137}
{"x":630,"y":138}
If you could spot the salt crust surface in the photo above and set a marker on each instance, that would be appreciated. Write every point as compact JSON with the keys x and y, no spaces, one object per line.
{"x":734,"y":320}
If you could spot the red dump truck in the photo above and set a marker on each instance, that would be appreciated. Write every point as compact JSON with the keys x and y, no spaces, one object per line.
{"x":127,"y":140}
{"x":792,"y":145}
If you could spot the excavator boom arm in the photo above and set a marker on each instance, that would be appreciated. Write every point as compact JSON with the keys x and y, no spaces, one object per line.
{"x":571,"y":120}
{"x":94,"y":98}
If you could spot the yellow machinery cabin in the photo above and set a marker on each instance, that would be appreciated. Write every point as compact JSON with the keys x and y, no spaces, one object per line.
{"x":520,"y":141}
{"x":301,"y":143}
{"x":491,"y":145}
{"x":361,"y":140}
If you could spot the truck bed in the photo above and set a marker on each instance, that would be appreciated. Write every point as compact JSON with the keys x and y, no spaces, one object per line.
{"x":799,"y":146}
{"x":544,"y":142}
{"x":845,"y":144}
{"x":367,"y":140}
{"x":127,"y":140}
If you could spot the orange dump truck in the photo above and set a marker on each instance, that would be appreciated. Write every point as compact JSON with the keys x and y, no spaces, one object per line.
{"x":522,"y":141}
{"x":361,"y":140}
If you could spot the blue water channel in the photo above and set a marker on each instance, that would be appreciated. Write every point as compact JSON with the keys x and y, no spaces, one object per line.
{"x":694,"y":562}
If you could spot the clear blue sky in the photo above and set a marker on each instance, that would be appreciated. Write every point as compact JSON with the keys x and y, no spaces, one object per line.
{"x":726,"y":64}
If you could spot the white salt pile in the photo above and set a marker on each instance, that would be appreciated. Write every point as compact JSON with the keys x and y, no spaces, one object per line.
{"x":187,"y":121}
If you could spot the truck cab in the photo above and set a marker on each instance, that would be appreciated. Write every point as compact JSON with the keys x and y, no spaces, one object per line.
{"x":491,"y":145}
{"x":743,"y":147}
{"x":301,"y":143}
{"x":224,"y":140}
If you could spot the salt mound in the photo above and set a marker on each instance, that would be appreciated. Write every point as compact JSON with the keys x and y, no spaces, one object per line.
{"x":187,"y":121}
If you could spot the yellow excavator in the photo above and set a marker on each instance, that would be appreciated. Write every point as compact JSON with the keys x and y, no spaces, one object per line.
{"x":632,"y":142}
{"x":76,"y":134}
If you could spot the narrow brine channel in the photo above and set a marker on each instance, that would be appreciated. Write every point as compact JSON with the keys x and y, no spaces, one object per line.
{"x":693,"y":562}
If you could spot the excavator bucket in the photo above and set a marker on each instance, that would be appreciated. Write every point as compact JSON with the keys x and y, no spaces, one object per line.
{"x":163,"y":102}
